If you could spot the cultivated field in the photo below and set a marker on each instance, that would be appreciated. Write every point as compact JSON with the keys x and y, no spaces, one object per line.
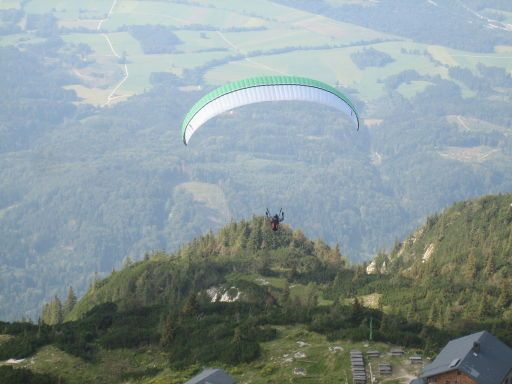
{"x":274,"y":40}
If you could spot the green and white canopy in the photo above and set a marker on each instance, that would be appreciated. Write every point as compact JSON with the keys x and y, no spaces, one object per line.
{"x":260,"y":89}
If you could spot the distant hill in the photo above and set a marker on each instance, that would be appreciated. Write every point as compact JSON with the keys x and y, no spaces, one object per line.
{"x":237,"y":255}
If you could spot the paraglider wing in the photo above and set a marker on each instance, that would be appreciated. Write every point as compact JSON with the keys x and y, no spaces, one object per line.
{"x":260,"y":89}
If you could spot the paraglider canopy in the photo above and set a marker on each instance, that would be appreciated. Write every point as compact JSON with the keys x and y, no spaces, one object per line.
{"x":260,"y":89}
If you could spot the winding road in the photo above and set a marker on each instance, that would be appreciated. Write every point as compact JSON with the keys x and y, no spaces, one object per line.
{"x":112,"y":95}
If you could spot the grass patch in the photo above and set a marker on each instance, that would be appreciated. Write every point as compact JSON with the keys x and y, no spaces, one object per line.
{"x":155,"y":12}
{"x":10,"y":4}
{"x":18,"y":39}
{"x":95,"y":41}
{"x":209,"y":194}
{"x":93,"y":96}
{"x":112,"y":366}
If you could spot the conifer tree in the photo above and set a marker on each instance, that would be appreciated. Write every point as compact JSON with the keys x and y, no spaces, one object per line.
{"x":191,"y":306}
{"x":168,"y":331}
{"x":53,"y":313}
{"x":45,"y":315}
{"x":484,"y":308}
{"x":470,"y":269}
{"x":489,"y":268}
{"x":505,"y":297}
{"x":255,"y":239}
{"x":357,"y":311}
{"x":70,"y":302}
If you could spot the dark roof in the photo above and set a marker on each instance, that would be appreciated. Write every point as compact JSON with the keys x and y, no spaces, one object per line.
{"x":488,"y":366}
{"x":418,"y":381}
{"x":211,"y":376}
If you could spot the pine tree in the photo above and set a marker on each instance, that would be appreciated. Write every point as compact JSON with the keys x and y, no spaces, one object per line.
{"x":70,"y":302}
{"x":489,"y":268}
{"x":255,"y":239}
{"x":357,"y":311}
{"x":191,"y":306}
{"x":448,"y":315}
{"x":45,"y":315}
{"x":432,"y":316}
{"x":53,"y":313}
{"x":484,"y":309}
{"x":470,"y":269}
{"x":505,"y":297}
{"x":168,"y":331}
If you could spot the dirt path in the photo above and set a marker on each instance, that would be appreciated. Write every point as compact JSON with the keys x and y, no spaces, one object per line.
{"x":112,"y":96}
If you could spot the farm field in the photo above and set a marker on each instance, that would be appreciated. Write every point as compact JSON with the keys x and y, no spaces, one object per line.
{"x":333,"y":66}
{"x":275,"y":40}
{"x":10,"y":4}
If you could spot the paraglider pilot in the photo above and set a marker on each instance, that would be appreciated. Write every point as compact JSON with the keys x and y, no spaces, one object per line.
{"x":276,"y":219}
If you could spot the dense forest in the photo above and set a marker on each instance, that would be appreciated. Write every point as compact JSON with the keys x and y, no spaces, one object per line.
{"x":442,"y":22}
{"x":455,"y":269}
{"x":155,"y":39}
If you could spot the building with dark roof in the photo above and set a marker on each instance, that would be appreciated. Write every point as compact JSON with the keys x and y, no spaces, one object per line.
{"x":212,"y":376}
{"x":479,"y":358}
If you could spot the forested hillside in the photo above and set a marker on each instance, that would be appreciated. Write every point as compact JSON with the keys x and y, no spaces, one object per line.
{"x":93,"y":171}
{"x":241,"y":289}
{"x":454,"y":271}
{"x":249,"y":291}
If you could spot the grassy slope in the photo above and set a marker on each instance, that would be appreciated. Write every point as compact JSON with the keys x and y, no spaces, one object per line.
{"x":279,"y":359}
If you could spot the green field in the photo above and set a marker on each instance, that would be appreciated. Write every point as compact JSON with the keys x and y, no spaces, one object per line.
{"x":70,"y":10}
{"x":209,"y":194}
{"x":20,"y":39}
{"x":200,"y":40}
{"x":174,"y":14}
{"x":318,"y":37}
{"x":10,"y":4}
{"x":329,"y":65}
